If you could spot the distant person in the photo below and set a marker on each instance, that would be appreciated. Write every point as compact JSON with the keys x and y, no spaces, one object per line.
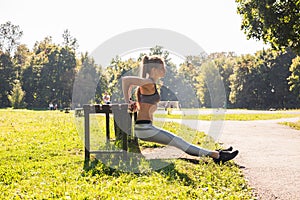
{"x":51,"y":106}
{"x":153,"y":68}
{"x":167,"y":105}
{"x":106,"y":98}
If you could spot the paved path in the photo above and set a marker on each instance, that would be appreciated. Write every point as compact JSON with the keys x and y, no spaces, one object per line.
{"x":269,"y":154}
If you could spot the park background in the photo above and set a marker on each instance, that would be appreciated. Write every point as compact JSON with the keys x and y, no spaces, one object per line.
{"x":34,"y":78}
{"x":254,"y":47}
{"x":45,"y":47}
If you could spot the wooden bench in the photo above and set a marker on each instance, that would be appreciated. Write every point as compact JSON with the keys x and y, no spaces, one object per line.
{"x":122,"y":126}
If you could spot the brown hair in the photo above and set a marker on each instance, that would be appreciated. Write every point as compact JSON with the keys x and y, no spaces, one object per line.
{"x":148,"y":63}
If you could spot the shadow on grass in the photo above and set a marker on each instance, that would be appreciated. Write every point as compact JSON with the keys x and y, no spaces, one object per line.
{"x":96,"y":167}
{"x":113,"y":163}
{"x":168,"y":169}
{"x":197,"y":161}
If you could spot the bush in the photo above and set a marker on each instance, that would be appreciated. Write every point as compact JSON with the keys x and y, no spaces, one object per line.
{"x":17,"y":96}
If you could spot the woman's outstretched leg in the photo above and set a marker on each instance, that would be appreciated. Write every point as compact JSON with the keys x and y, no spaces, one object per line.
{"x":148,"y":132}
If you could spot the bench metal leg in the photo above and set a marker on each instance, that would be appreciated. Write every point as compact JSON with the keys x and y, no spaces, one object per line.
{"x":87,"y":136}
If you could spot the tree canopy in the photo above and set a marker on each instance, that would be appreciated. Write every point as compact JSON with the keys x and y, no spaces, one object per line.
{"x":10,"y":35}
{"x":57,"y":74}
{"x":274,"y":21}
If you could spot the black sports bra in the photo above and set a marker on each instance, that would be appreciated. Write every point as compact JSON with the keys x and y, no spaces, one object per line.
{"x":151,"y":98}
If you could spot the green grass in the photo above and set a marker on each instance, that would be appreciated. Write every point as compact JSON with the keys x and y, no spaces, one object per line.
{"x":294,"y":125}
{"x":41,"y":157}
{"x":236,"y":117}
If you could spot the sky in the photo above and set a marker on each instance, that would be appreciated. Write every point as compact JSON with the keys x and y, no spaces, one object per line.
{"x":212,"y":24}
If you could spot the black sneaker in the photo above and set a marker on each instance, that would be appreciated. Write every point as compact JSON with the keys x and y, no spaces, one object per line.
{"x":228,"y":149}
{"x":225,"y":156}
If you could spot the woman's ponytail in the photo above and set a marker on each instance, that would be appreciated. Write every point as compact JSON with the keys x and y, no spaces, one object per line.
{"x":144,"y":72}
{"x":144,"y":66}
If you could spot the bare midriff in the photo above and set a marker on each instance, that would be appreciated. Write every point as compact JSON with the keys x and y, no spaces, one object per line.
{"x":146,"y":111}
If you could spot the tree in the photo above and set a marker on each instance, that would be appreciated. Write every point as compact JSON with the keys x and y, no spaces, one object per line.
{"x":215,"y":68}
{"x":189,"y":72}
{"x":7,"y":78}
{"x":31,"y":75}
{"x":260,"y":81}
{"x":9,"y":37}
{"x":17,"y":96}
{"x":69,"y":41}
{"x":30,"y":79}
{"x":57,"y":76}
{"x":113,"y":74}
{"x":210,"y":86}
{"x":281,"y":96}
{"x":158,"y":50}
{"x":294,"y":78}
{"x":190,"y":69}
{"x":273,"y":21}
{"x":22,"y":58}
{"x":50,"y":75}
{"x":87,"y":86}
{"x":241,"y":82}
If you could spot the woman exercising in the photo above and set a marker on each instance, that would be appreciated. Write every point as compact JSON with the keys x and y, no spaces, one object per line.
{"x":153,"y":68}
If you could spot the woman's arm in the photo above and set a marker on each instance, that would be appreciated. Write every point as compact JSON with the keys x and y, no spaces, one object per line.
{"x":128,"y":82}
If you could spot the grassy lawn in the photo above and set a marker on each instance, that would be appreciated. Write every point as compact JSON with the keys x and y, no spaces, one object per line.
{"x":236,"y":117}
{"x":294,"y":125}
{"x":41,"y":157}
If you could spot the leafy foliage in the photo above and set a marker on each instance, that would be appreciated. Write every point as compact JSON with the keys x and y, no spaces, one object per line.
{"x":158,"y":50}
{"x":69,"y":41}
{"x":294,"y":78}
{"x":260,"y":81}
{"x":115,"y":71}
{"x":9,"y":37}
{"x":17,"y":96}
{"x":276,"y":22}
{"x":50,"y":75}
{"x":87,"y":82}
{"x":53,"y":73}
{"x":7,"y":78}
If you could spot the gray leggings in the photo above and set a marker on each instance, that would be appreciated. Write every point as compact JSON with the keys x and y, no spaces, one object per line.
{"x":150,"y":133}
